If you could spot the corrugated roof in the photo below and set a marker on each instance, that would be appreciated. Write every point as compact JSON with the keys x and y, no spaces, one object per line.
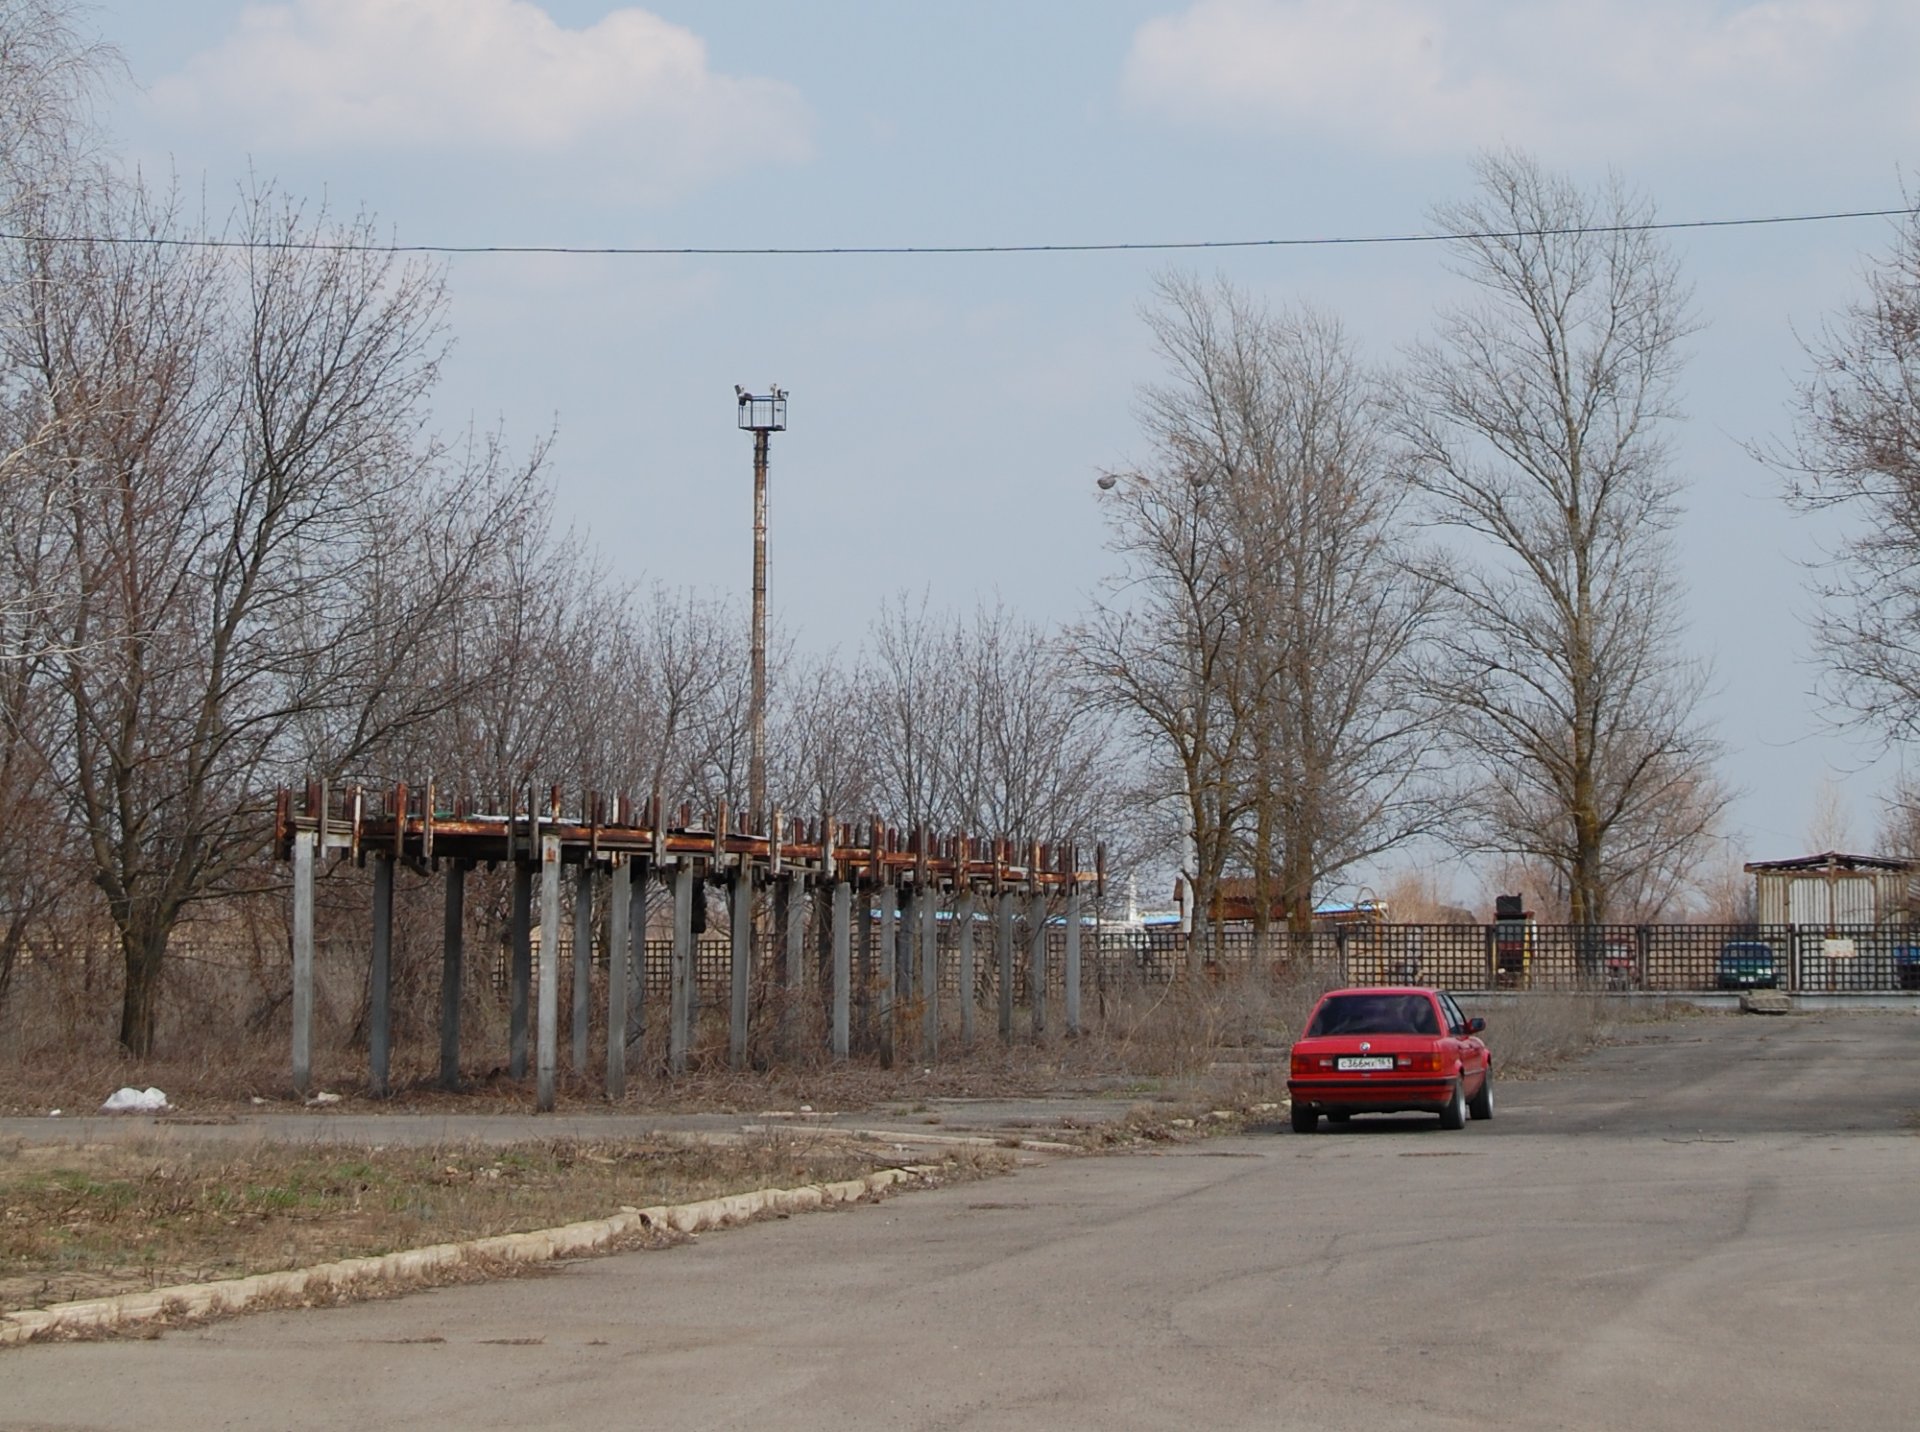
{"x":1828,"y":860}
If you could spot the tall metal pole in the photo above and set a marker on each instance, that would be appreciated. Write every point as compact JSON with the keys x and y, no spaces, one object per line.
{"x":762,"y":415}
{"x":757,"y":760}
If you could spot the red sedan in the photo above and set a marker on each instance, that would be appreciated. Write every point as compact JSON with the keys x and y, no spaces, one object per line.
{"x":1387,"y":1050}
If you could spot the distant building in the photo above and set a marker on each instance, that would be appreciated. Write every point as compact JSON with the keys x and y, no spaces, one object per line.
{"x":1236,"y":903}
{"x":1833,"y":890}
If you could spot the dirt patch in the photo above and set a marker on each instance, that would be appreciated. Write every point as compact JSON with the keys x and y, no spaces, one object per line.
{"x":80,"y":1221}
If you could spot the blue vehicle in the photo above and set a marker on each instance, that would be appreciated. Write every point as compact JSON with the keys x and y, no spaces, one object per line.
{"x":1746,"y":964}
{"x":1906,"y":966}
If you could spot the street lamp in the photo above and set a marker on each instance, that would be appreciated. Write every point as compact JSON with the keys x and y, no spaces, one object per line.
{"x":761,"y":416}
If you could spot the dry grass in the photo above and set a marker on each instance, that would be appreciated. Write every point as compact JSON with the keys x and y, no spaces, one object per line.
{"x":88,"y":1220}
{"x":1207,"y":1042}
{"x":1531,"y":1035}
{"x":52,"y":1056}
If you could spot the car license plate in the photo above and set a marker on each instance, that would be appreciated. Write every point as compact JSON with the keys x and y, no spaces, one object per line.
{"x":1364,"y":1061}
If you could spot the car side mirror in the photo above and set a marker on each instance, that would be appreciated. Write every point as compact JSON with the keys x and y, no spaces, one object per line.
{"x":1475,"y":1025}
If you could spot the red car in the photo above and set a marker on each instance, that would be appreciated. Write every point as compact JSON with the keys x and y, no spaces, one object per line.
{"x":1389,"y":1049}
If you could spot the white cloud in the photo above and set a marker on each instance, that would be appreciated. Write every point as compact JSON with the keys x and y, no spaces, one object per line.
{"x":1577,"y":77}
{"x":632,"y":92}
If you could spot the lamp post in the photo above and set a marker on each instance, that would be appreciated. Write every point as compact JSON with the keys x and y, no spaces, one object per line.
{"x":761,"y":416}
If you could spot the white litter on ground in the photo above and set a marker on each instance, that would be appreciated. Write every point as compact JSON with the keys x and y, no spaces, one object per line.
{"x":324,"y":1098}
{"x":135,"y":1101}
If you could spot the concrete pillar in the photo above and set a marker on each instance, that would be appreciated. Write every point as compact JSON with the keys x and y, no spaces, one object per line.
{"x":884,"y":938}
{"x":619,"y":941}
{"x":638,"y":910}
{"x":790,"y":909}
{"x":1072,"y":970}
{"x":865,"y":931}
{"x":842,"y":968}
{"x":740,"y":937}
{"x":930,"y":976}
{"x":582,"y":964}
{"x":305,"y":843}
{"x":548,"y":1050}
{"x":1037,"y":962}
{"x":1003,"y":960}
{"x":453,"y":949}
{"x":380,"y":991}
{"x":520,"y":927}
{"x":906,"y":947}
{"x":680,"y":992}
{"x":963,"y":922}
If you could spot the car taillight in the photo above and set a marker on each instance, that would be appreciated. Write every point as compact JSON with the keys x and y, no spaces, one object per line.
{"x":1419,"y":1063}
{"x":1311,"y":1063}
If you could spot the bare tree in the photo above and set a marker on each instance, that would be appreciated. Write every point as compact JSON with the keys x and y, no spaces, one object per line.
{"x":51,"y":72}
{"x":1262,"y":634}
{"x":38,"y":858}
{"x":1533,"y":433}
{"x":916,"y":702}
{"x":822,"y":761}
{"x":1855,"y":450}
{"x":961,"y":724}
{"x":1829,"y":826}
{"x":265,"y":554}
{"x":1160,"y":653}
{"x":1333,"y":616}
{"x":1034,"y":761}
{"x":695,"y":661}
{"x":526,"y":652}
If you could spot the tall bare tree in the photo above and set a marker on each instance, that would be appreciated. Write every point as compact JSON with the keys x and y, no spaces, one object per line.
{"x":265,"y":554}
{"x":1855,"y":450}
{"x":51,"y":72}
{"x":1335,"y":619}
{"x":1160,"y":654}
{"x":1263,"y":632}
{"x":1533,"y":427}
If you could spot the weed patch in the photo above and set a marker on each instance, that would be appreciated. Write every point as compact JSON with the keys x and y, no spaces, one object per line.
{"x":93,"y":1220}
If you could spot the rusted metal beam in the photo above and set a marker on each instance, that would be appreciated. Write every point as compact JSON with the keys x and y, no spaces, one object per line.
{"x":420,"y":837}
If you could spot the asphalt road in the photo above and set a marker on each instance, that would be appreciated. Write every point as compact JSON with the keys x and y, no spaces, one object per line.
{"x":1710,"y":1226}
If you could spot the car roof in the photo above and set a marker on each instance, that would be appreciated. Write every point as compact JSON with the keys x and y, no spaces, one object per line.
{"x":1381,"y":989}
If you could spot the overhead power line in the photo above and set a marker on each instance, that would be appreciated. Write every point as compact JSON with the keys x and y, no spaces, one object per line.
{"x":828,"y":250}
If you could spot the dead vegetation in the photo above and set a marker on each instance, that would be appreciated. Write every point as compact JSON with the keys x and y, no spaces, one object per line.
{"x":1202,"y":1043}
{"x":58,"y":1050}
{"x":83,"y":1220}
{"x":89,"y":1220}
{"x":1536,"y":1033}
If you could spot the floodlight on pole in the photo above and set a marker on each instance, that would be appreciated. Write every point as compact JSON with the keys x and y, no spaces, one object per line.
{"x":762,"y":416}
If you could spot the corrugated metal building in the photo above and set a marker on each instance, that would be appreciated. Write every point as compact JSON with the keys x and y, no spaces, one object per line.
{"x":1833,"y":890}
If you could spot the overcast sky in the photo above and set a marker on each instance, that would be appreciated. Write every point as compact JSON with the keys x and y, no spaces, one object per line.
{"x":949,"y":413}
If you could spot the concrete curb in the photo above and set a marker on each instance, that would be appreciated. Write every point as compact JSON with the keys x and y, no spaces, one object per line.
{"x":234,"y":1295}
{"x":938,"y":1140}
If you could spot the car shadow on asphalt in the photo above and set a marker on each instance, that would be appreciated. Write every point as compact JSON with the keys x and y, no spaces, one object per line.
{"x":1376,"y":1126}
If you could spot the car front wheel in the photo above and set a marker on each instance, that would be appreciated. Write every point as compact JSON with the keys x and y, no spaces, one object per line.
{"x":1305,"y":1121}
{"x":1454,"y":1116}
{"x":1481,"y":1104}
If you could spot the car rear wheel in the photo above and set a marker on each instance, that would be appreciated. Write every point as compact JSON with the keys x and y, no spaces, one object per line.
{"x":1454,"y":1116}
{"x":1305,"y":1121}
{"x":1481,"y":1104}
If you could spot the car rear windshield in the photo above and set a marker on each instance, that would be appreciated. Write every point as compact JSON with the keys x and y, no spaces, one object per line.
{"x":1375,"y":1014}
